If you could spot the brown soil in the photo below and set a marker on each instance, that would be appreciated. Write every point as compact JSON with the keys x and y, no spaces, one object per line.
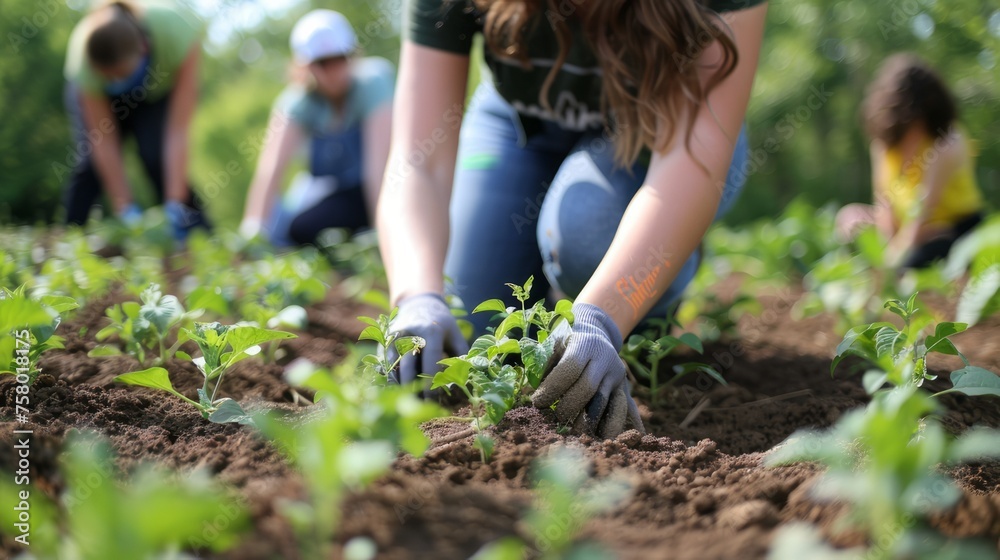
{"x":699,"y":489}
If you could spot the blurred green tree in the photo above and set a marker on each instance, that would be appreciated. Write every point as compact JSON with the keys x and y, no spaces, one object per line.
{"x":805,"y":133}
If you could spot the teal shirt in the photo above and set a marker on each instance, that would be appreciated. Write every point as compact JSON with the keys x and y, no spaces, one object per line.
{"x":172,"y":31}
{"x":372,"y":87}
{"x":575,"y":94}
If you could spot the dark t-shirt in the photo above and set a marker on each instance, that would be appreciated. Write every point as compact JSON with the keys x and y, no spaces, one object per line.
{"x":575,"y":94}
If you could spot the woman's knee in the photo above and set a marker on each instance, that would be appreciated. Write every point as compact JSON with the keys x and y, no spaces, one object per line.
{"x":577,"y":221}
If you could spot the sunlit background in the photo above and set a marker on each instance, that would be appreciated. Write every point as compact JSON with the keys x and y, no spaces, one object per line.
{"x":805,"y":130}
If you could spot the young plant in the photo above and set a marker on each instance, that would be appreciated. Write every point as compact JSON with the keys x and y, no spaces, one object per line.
{"x":351,"y":440}
{"x":900,"y":355}
{"x":222,"y":346}
{"x":883,"y":461}
{"x":76,"y":272}
{"x":144,"y":328}
{"x":565,"y":498}
{"x":27,"y":330}
{"x":499,"y":371}
{"x":152,"y":515}
{"x":378,"y":365}
{"x":654,"y":347}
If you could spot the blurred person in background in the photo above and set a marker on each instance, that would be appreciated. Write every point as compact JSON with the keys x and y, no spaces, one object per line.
{"x":132,"y":69}
{"x":341,"y":111}
{"x":923,"y":179}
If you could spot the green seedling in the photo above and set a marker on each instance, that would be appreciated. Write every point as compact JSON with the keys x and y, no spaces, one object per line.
{"x":883,"y":460}
{"x":76,"y":272}
{"x":154,"y":514}
{"x":378,"y":365}
{"x":502,"y":368}
{"x":27,"y":330}
{"x":222,"y":346}
{"x":565,"y":498}
{"x":900,"y":355}
{"x":144,"y":329}
{"x":348,"y":440}
{"x":653,"y":347}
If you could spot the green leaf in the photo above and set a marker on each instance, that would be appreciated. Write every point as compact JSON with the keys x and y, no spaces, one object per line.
{"x":938,"y":342}
{"x":693,"y":341}
{"x":103,"y":350}
{"x":495,"y":305}
{"x":512,"y":321}
{"x":58,"y":303}
{"x":153,"y":378}
{"x":508,"y":346}
{"x":406,"y":344}
{"x":291,"y":317}
{"x":535,"y":357}
{"x":484,"y":443}
{"x":456,"y":372}
{"x":131,"y":309}
{"x":163,"y":313}
{"x":564,"y":308}
{"x":979,"y":295}
{"x":228,"y":410}
{"x":897,"y":307}
{"x":373,"y":333}
{"x":873,"y":380}
{"x":977,"y":443}
{"x":886,"y":339}
{"x":243,"y":337}
{"x":974,"y":381}
{"x":21,"y":313}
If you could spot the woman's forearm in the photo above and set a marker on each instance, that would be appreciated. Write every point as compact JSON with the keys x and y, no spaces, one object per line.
{"x":412,"y":222}
{"x":180,"y":113}
{"x":110,"y":166}
{"x":175,"y":170}
{"x":106,"y":150}
{"x":657,"y":234}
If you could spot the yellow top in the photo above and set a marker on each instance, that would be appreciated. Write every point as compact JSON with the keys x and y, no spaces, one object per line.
{"x":960,"y":197}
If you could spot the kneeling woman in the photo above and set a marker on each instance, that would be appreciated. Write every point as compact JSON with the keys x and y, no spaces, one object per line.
{"x":924,"y":185}
{"x":344,"y":116}
{"x":606,"y":144}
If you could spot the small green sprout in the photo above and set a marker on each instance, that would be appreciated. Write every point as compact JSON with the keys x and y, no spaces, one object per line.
{"x":222,"y":346}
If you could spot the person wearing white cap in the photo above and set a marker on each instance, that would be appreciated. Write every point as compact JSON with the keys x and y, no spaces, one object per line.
{"x":344,"y":113}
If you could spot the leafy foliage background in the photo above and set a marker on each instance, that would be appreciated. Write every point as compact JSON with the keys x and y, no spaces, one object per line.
{"x":805,"y":132}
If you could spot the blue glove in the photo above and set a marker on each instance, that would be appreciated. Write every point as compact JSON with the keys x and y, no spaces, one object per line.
{"x":429,"y":317}
{"x":587,"y":377}
{"x":182,"y":218}
{"x":131,"y":216}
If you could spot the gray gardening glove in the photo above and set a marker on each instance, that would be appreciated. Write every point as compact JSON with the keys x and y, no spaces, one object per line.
{"x":587,"y":376}
{"x":429,"y":317}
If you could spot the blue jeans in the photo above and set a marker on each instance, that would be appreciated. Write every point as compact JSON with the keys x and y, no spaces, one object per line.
{"x":331,"y":196}
{"x":546,"y":205}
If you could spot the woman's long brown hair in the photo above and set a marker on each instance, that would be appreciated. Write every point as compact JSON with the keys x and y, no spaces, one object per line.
{"x":648,"y":52}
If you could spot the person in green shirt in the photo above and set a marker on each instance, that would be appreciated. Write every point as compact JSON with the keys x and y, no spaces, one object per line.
{"x":132,"y":69}
{"x":606,"y":140}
